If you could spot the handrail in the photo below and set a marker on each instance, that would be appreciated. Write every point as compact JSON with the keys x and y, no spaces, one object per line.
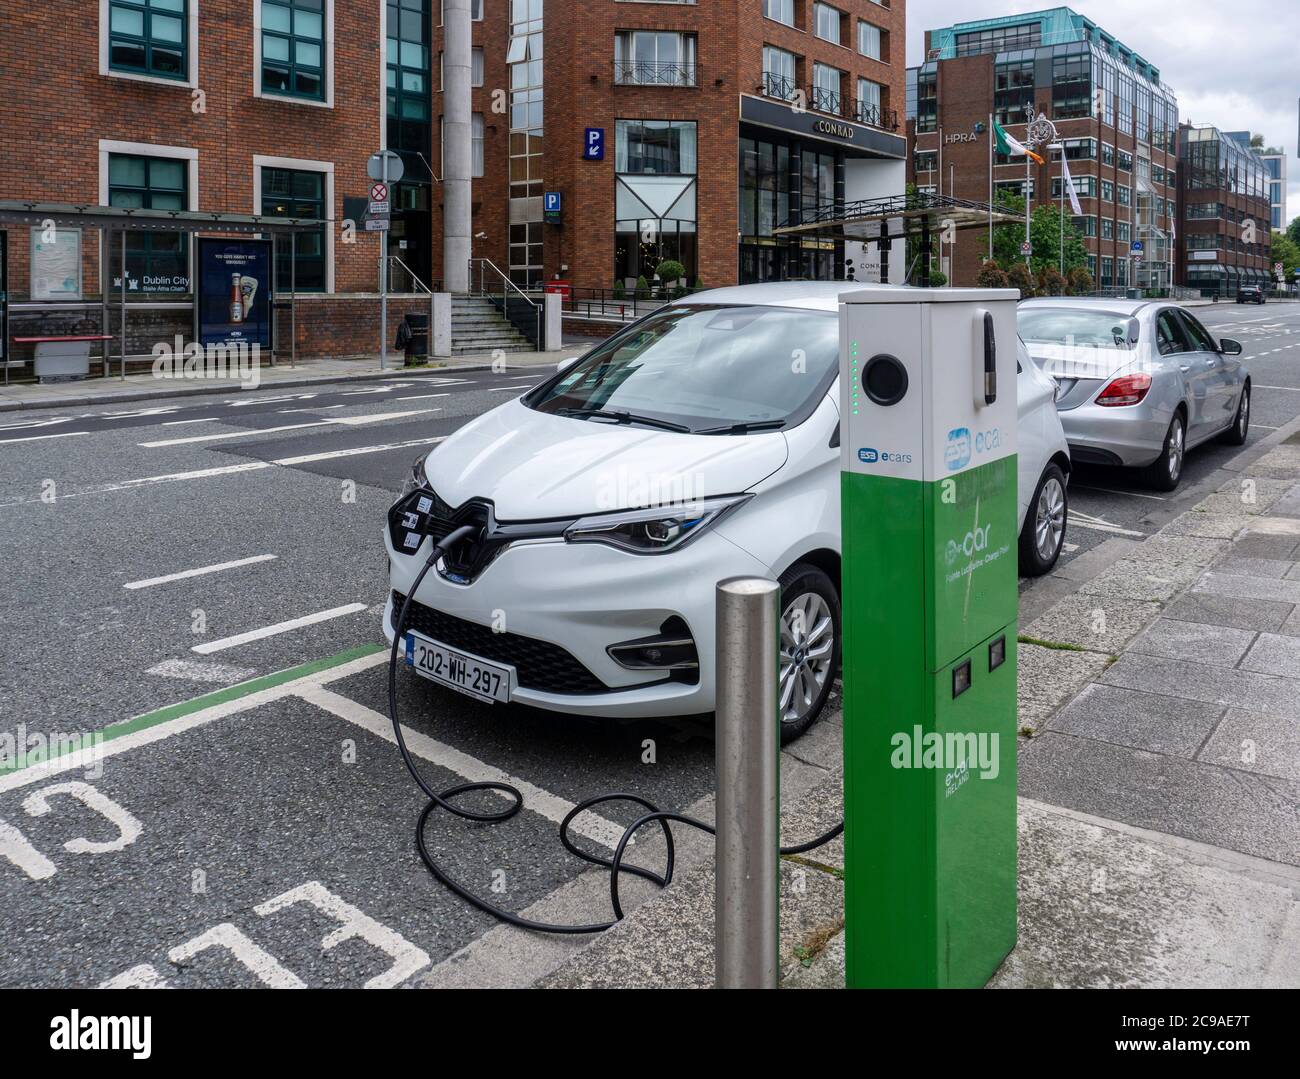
{"x":409,"y":271}
{"x":505,"y":279}
{"x":507,"y":287}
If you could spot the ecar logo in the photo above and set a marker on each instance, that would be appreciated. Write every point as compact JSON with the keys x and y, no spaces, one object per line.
{"x":976,"y":540}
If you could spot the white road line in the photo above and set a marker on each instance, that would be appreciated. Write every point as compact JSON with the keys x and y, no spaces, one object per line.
{"x":350,"y":421}
{"x":550,"y":806}
{"x":1083,"y":520}
{"x":192,"y":670}
{"x":26,"y":425}
{"x":177,"y":423}
{"x":422,"y":396}
{"x":498,"y":389}
{"x":1293,"y":389}
{"x":37,"y":438}
{"x":309,"y":408}
{"x":201,"y":571}
{"x":1114,"y":491}
{"x":221,"y":644}
{"x":228,"y":470}
{"x":1264,"y":427}
{"x":73,"y":762}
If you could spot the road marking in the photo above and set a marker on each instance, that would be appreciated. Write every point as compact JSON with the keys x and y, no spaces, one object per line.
{"x":227,"y":470}
{"x":240,"y":402}
{"x":24,"y":425}
{"x":309,"y":408}
{"x":201,"y":571}
{"x":350,"y":421}
{"x":1115,"y":491}
{"x":1293,"y":389}
{"x":551,"y":806}
{"x":498,"y":389}
{"x":177,"y":423}
{"x":1264,"y":427}
{"x":37,"y":438}
{"x":222,"y":643}
{"x":191,"y":670}
{"x":1084,"y":520}
{"x":422,"y":396}
{"x":173,"y":719}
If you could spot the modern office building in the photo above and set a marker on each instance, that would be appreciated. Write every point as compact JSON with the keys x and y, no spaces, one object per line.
{"x":1115,"y":118}
{"x":608,"y":135}
{"x":1275,"y":167}
{"x":1224,"y":209}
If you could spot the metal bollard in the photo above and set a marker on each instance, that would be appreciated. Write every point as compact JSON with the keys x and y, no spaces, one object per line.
{"x":748,"y":806}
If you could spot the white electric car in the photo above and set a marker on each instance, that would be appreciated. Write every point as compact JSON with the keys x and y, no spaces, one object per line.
{"x":698,"y":443}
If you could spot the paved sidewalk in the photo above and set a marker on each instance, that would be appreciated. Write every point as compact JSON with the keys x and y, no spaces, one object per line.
{"x":307,"y":372}
{"x":1159,"y":777}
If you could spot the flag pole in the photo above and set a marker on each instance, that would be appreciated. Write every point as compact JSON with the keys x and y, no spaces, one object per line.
{"x":992,"y":140}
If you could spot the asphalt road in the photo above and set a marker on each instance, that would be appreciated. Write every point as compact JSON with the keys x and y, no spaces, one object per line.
{"x":262,"y":834}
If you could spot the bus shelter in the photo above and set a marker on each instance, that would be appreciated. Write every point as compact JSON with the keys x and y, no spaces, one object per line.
{"x":47,"y":219}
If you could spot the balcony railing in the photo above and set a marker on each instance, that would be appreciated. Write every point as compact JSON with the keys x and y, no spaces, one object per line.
{"x":871,"y":114}
{"x":778,"y":86}
{"x":823,"y":100}
{"x":654,"y":73}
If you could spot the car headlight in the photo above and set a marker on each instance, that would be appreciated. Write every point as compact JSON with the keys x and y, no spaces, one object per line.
{"x":654,"y":530}
{"x":415,"y":478}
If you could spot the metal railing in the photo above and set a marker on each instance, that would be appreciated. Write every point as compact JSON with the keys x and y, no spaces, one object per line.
{"x":870,"y":113}
{"x":400,"y":274}
{"x":520,"y":309}
{"x":822,"y":99}
{"x":778,"y":86}
{"x":623,"y":305}
{"x":654,"y":73}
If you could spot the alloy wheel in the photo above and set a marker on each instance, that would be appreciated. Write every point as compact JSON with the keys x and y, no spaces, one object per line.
{"x":1049,"y":519}
{"x":807,"y":649}
{"x":1174,"y":458}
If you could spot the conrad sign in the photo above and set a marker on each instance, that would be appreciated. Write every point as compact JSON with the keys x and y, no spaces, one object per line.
{"x":832,"y":127}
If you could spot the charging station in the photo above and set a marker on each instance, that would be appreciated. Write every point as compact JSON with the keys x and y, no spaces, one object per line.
{"x":928,"y":492}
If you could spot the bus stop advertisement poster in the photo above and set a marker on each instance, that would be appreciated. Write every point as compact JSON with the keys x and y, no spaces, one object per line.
{"x":234,"y":292}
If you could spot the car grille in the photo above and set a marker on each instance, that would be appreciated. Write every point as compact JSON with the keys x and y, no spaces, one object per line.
{"x":540,"y":665}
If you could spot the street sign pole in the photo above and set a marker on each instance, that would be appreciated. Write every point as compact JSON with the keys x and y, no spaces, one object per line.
{"x":383,"y":279}
{"x":928,"y":511}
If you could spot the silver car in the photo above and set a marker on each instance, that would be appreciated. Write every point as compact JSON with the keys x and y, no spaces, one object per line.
{"x":1138,"y":382}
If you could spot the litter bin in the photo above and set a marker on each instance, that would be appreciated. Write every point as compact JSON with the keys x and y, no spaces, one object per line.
{"x":413,"y":337}
{"x":1133,"y":294}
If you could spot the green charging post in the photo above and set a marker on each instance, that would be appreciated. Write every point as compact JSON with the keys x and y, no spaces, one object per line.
{"x":928,"y":490}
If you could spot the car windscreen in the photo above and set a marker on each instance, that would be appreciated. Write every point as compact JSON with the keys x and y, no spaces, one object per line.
{"x":1080,"y":328}
{"x":709,"y":368}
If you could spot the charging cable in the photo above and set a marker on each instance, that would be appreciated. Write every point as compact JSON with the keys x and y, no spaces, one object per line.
{"x":446,"y":799}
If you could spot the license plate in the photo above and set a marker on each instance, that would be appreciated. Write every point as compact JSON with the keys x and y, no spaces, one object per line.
{"x":467,"y":674}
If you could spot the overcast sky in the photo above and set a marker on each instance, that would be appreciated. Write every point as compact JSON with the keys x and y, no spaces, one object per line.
{"x":1233,"y":63}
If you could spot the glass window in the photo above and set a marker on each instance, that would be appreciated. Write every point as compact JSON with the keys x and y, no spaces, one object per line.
{"x":1071,"y":85}
{"x":665,"y":147}
{"x":927,"y":100}
{"x":1169,"y":335}
{"x":826,"y":88}
{"x":1082,"y":328}
{"x":297,"y":193}
{"x":708,"y":367}
{"x":150,"y":37}
{"x":1013,"y":90}
{"x":293,"y":48}
{"x":826,"y":22}
{"x":870,"y":95}
{"x":155,"y":261}
{"x":779,"y":79}
{"x":1200,"y":340}
{"x":870,"y":40}
{"x":780,"y":10}
{"x":654,"y":58}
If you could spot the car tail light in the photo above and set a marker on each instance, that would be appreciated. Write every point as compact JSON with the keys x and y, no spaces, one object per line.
{"x":1126,"y":390}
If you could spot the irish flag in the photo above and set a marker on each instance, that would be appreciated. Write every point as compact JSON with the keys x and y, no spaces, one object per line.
{"x":1009,"y":145}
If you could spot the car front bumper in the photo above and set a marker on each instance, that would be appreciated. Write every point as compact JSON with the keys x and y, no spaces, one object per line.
{"x":541,"y":600}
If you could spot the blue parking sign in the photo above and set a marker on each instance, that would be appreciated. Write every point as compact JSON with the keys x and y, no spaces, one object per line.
{"x":551,"y":202}
{"x":593,"y":146}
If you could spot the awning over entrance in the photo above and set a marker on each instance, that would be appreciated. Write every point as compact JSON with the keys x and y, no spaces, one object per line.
{"x":896,"y":217}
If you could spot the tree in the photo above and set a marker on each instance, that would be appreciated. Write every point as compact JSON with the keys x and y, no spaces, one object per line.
{"x":1286,"y":251}
{"x":992,"y":275}
{"x":1080,"y":281}
{"x":1051,"y":282}
{"x":1018,"y":278}
{"x":1293,"y":230}
{"x":1046,"y":230}
{"x":670,"y":271}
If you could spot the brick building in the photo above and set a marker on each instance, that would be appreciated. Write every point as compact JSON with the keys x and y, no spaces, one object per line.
{"x":720,"y":121}
{"x":1116,"y":121}
{"x":1224,"y":208}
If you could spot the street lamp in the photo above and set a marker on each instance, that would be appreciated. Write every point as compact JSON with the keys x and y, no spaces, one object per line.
{"x":1039,"y":131}
{"x":1058,"y":145}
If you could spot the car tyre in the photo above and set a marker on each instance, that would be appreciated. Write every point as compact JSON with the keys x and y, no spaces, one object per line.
{"x":1236,"y":434}
{"x":809,"y":661}
{"x":1043,"y":534}
{"x":1165,"y":471}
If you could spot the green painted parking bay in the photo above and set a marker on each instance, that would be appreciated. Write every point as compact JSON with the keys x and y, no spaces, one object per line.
{"x":261,"y":835}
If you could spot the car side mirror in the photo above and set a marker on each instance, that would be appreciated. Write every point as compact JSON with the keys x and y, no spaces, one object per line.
{"x":1229,"y":347}
{"x":566,"y":363}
